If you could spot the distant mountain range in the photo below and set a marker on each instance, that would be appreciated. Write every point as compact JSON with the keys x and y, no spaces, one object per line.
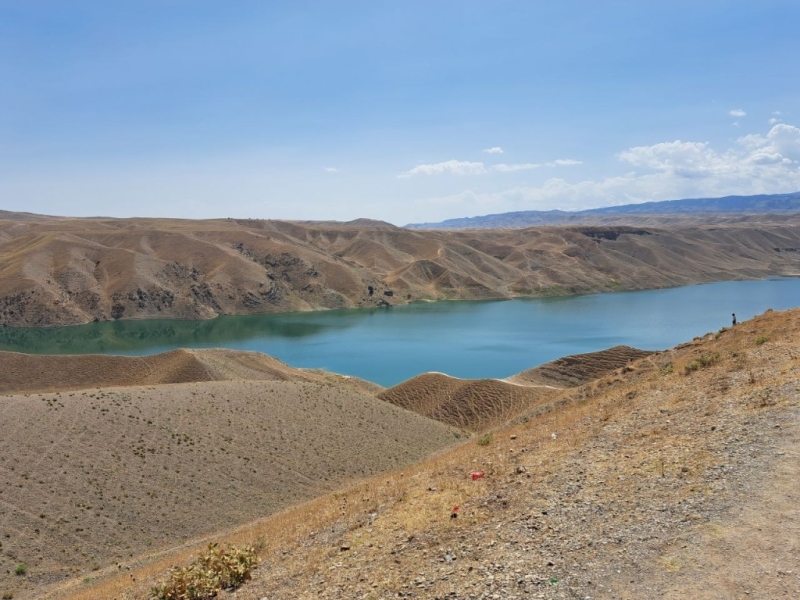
{"x":762,"y":204}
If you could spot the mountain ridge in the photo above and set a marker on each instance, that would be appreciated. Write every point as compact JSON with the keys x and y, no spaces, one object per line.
{"x":750,"y":205}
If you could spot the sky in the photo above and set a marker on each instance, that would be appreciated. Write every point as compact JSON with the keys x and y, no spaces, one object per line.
{"x":403,"y":111}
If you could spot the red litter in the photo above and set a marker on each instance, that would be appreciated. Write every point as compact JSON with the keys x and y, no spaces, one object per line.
{"x":477,"y":475}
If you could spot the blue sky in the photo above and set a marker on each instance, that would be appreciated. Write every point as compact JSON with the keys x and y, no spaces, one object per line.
{"x":401,"y":111}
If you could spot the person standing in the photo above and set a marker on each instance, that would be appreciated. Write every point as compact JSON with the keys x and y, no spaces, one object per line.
{"x":734,"y":319}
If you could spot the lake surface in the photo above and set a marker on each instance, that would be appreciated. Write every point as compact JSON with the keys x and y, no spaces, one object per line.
{"x":464,"y":339}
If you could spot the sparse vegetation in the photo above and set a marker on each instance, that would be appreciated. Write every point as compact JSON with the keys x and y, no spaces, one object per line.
{"x":214,"y":570}
{"x":21,"y":569}
{"x":485,"y":439}
{"x":701,"y":362}
{"x":761,"y":340}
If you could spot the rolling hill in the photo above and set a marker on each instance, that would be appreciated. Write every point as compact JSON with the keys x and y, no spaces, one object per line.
{"x":60,"y":271}
{"x":105,"y":458}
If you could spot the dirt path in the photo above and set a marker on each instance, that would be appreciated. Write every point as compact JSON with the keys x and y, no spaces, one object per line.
{"x":753,"y":554}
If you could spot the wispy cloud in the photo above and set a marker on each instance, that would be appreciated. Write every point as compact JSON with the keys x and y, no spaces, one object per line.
{"x":737,"y":112}
{"x":563,"y":162}
{"x":493,"y":150}
{"x":454,"y":167}
{"x":504,"y":168}
{"x":331,"y":170}
{"x":460,"y":167}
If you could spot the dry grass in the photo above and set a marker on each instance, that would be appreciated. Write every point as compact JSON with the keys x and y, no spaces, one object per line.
{"x":654,"y":414}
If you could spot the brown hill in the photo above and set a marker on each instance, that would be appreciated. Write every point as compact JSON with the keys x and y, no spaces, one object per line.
{"x":174,"y":446}
{"x":473,"y":404}
{"x":678,"y":481}
{"x":57,"y":271}
{"x":578,"y":369}
{"x":479,"y":404}
{"x":25,"y":373}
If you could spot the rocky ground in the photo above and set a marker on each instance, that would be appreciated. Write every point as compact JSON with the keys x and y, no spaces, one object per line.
{"x":667,"y":482}
{"x":674,"y":476}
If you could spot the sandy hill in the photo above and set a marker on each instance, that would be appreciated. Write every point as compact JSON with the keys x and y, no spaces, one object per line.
{"x":577,"y":369}
{"x":473,"y":404}
{"x":675,"y":481}
{"x":58,"y":271}
{"x":479,"y":404}
{"x":25,"y":373}
{"x":166,"y":448}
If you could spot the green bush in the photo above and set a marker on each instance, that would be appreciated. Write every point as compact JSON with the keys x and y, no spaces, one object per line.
{"x":214,"y":570}
{"x":761,"y":339}
{"x":21,"y":569}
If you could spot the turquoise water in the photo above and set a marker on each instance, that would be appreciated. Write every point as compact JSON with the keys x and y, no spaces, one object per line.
{"x":465,"y":339}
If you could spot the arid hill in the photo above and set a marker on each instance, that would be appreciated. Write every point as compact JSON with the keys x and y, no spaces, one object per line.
{"x":577,"y":369}
{"x":472,"y":404}
{"x":479,"y":404}
{"x":58,"y":271}
{"x":26,"y":373}
{"x":165,"y":448}
{"x":672,"y":477}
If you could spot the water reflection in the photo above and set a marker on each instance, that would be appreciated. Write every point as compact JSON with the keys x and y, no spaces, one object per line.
{"x":148,"y":336}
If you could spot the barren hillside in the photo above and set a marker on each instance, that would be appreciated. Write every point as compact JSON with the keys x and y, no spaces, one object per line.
{"x":575,"y":370}
{"x":162,"y":449}
{"x":57,"y":271}
{"x":25,"y":373}
{"x":672,"y":477}
{"x":479,"y":404}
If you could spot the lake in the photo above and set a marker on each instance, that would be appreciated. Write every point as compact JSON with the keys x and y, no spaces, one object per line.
{"x":461,"y":338}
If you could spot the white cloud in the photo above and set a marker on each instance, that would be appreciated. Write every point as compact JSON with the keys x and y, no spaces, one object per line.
{"x":563,"y":162}
{"x":737,"y":112}
{"x":461,"y":167}
{"x":455,"y":167}
{"x":777,"y":113}
{"x":331,"y":170}
{"x":504,"y":168}
{"x":494,"y":150}
{"x":773,"y":120}
{"x":755,"y":164}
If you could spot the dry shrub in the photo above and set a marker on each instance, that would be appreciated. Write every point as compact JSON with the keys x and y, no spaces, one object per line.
{"x":702,"y":361}
{"x":214,"y":570}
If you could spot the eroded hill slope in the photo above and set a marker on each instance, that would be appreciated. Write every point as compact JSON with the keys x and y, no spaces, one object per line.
{"x":676,"y":481}
{"x":57,"y":271}
{"x":26,"y":373}
{"x":479,"y":404}
{"x":98,"y":476}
